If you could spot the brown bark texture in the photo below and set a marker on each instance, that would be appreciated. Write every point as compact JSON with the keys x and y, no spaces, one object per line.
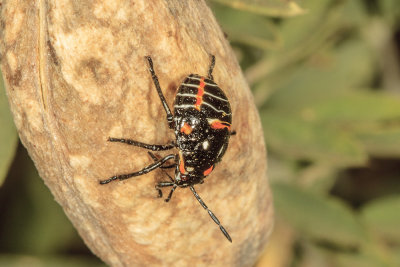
{"x":75,"y":75}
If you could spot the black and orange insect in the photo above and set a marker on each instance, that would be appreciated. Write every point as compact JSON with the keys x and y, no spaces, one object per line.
{"x":202,"y":123}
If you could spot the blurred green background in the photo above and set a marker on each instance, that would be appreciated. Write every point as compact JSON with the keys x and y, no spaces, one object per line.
{"x":326,"y":78}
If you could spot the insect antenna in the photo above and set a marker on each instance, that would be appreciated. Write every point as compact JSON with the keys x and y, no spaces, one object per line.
{"x":215,"y":219}
{"x":170,"y":117}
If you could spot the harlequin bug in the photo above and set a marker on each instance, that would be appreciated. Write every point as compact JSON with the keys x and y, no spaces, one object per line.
{"x":202,"y":123}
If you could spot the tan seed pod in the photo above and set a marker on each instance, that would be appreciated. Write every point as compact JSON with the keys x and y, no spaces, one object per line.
{"x":75,"y":74}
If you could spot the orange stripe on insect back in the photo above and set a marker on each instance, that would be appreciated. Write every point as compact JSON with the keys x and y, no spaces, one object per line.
{"x":217,"y":124}
{"x":200,"y":93}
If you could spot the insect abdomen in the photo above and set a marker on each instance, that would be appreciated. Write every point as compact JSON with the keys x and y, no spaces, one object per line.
{"x":204,"y":95}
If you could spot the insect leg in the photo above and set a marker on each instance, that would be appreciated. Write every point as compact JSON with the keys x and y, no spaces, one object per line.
{"x":165,"y":184}
{"x":161,"y":185}
{"x":170,"y":193}
{"x":170,"y":117}
{"x":145,"y":170}
{"x":233,"y":133}
{"x":215,"y":219}
{"x":210,"y":69}
{"x":173,"y":165}
{"x":143,"y":145}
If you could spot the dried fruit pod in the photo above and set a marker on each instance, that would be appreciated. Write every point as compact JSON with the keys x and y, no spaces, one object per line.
{"x":75,"y":74}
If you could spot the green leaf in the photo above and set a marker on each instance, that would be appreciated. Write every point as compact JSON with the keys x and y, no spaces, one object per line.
{"x":396,"y":256}
{"x":321,"y":24}
{"x":300,"y":37}
{"x":354,"y":15}
{"x":318,"y":177}
{"x":298,"y":138}
{"x":297,"y":31}
{"x":8,"y":134}
{"x":326,"y":75}
{"x":318,"y":217}
{"x":391,"y":10}
{"x":381,"y":142}
{"x":317,"y":256}
{"x":276,"y":8}
{"x":370,"y":117}
{"x":382,"y":216}
{"x":240,"y":27}
{"x":314,"y":37}
{"x":357,"y":260}
{"x":370,"y":120}
{"x":357,"y":107}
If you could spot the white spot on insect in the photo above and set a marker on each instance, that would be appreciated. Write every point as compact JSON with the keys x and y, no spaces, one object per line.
{"x":206,"y":144}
